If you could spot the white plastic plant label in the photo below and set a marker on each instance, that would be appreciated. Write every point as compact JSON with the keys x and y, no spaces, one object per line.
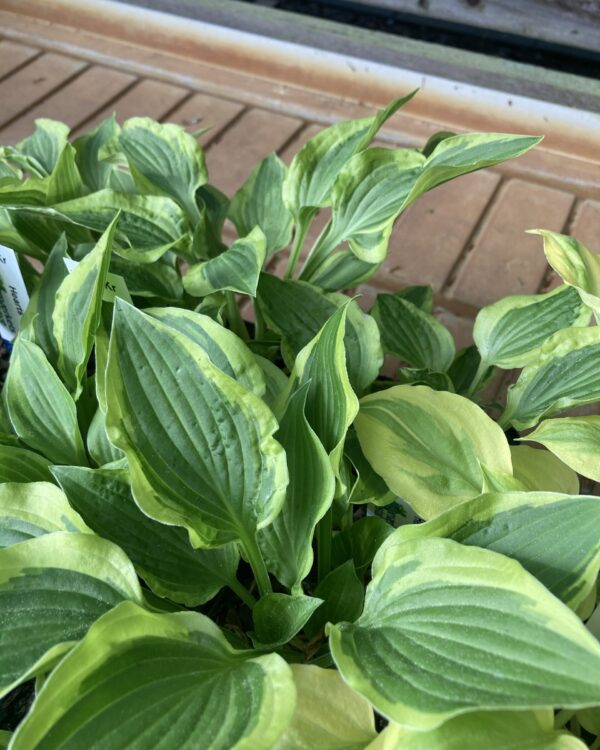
{"x":115,"y":284}
{"x":13,"y":294}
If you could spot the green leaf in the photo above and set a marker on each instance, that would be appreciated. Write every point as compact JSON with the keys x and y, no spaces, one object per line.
{"x":279,"y":617}
{"x":166,"y":159}
{"x":565,"y":373}
{"x":212,"y":206}
{"x":237,"y":269}
{"x":502,"y":730}
{"x":20,"y":465}
{"x":331,"y":404}
{"x":342,"y":270}
{"x":297,"y":311}
{"x":343,"y":596}
{"x":420,"y":295}
{"x":5,"y":738}
{"x":369,"y":487}
{"x":161,"y":554}
{"x":149,"y":280}
{"x":287,"y":542}
{"x":30,"y":194}
{"x":274,"y":378}
{"x":465,"y":371}
{"x":328,"y":716}
{"x":461,"y":154}
{"x":367,"y":197}
{"x":510,"y":332}
{"x":366,"y":537}
{"x":575,"y":440}
{"x":53,"y":275}
{"x":186,"y":429}
{"x":52,"y":588}
{"x":77,"y":309}
{"x":224,"y":349}
{"x":40,"y":408}
{"x":132,"y":662}
{"x":30,"y":510}
{"x":99,"y":446}
{"x":412,"y":334}
{"x":553,"y":536}
{"x":315,"y":167}
{"x":149,"y":225}
{"x":39,"y":152}
{"x":540,"y":470}
{"x":575,"y":264}
{"x":65,"y":181}
{"x":429,"y":446}
{"x":259,"y":202}
{"x":449,"y":629}
{"x":439,"y":381}
{"x":94,"y":171}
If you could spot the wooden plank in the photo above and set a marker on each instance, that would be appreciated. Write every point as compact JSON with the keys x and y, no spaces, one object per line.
{"x":256,"y":134}
{"x":536,"y":19}
{"x":203,"y":111}
{"x":146,"y":98}
{"x":73,"y":103}
{"x":430,"y":236}
{"x":502,"y":259}
{"x":35,"y":81}
{"x":13,"y":56}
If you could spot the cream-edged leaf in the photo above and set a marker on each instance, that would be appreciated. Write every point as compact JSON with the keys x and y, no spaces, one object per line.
{"x":173,"y":676}
{"x":574,"y":440}
{"x":429,"y":446}
{"x":555,"y":537}
{"x":65,"y":581}
{"x":199,"y":444}
{"x":449,"y":629}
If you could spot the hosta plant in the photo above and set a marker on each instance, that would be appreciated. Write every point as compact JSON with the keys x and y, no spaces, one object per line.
{"x":194,"y":544}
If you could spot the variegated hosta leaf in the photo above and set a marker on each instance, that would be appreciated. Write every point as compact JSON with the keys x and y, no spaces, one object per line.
{"x":101,"y":450}
{"x":565,"y":373}
{"x":275,"y":379}
{"x":575,"y":440}
{"x":149,"y":225}
{"x":55,"y":271}
{"x":501,"y":730}
{"x":279,"y":617}
{"x":164,"y":158}
{"x":331,"y":404}
{"x":413,"y":334}
{"x":429,"y":446}
{"x":224,"y":349}
{"x":575,"y":264}
{"x":236,"y":269}
{"x":52,"y":588}
{"x":94,"y":171}
{"x":449,"y":629}
{"x":540,"y":470}
{"x":199,"y":444}
{"x":32,"y":509}
{"x":21,"y":465}
{"x":461,"y":154}
{"x":555,"y":537}
{"x":328,"y":715}
{"x":39,"y":152}
{"x":149,"y":279}
{"x":40,"y":408}
{"x":298,"y":311}
{"x":174,"y":678}
{"x":287,"y":542}
{"x":65,"y":182}
{"x":342,"y":270}
{"x":77,"y":309}
{"x":259,"y":202}
{"x":509,"y":333}
{"x":315,"y":167}
{"x":366,"y":199}
{"x":162,"y":554}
